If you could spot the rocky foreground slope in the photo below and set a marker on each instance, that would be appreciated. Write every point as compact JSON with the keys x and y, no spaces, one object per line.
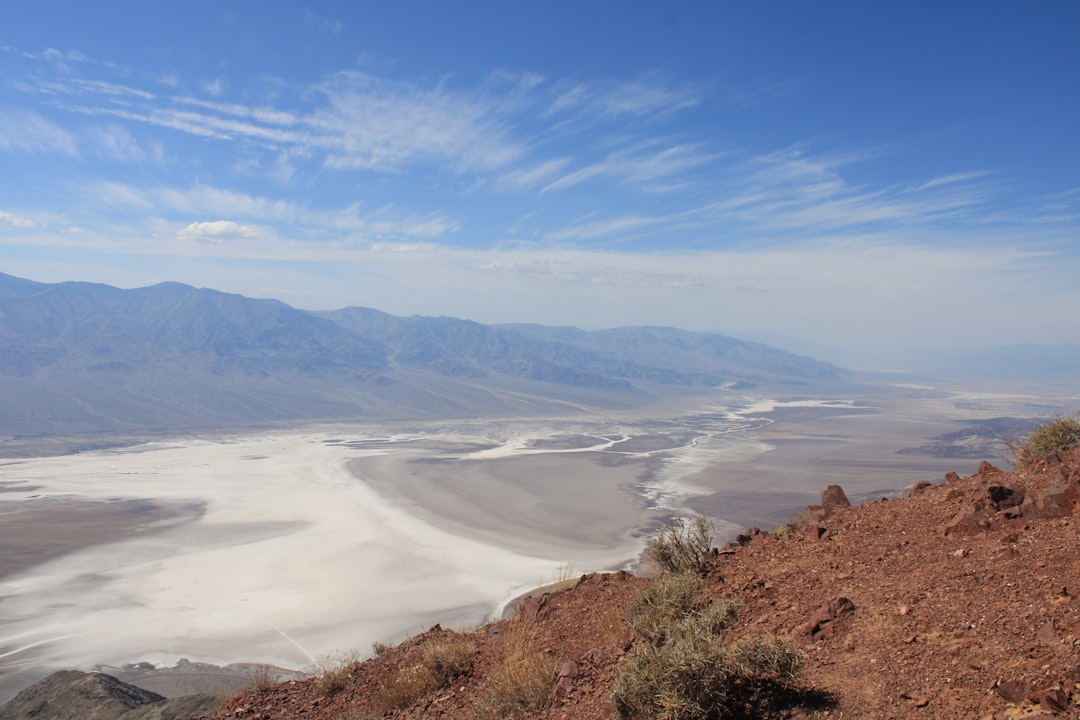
{"x":957,"y":601}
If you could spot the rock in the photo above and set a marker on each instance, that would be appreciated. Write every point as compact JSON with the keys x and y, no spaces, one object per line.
{"x":918,"y":700}
{"x":821,"y":625}
{"x":1002,"y":497}
{"x":1013,"y":691}
{"x":1047,"y":634}
{"x":568,"y":671}
{"x":918,"y":488}
{"x":968,"y":521}
{"x":747,"y":536}
{"x":532,"y":606}
{"x":1062,"y":496}
{"x":1055,"y":699}
{"x":985,"y":471}
{"x":951,"y":477}
{"x":834,"y":500}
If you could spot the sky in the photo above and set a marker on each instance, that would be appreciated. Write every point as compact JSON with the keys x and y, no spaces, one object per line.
{"x":873,"y":183}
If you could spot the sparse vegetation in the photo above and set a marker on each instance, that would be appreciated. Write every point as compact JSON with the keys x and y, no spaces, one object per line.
{"x":331,"y":673}
{"x":660,"y":606}
{"x":522,"y":682}
{"x":611,"y":624}
{"x":448,"y":659}
{"x":442,"y":662}
{"x":402,"y":689}
{"x":263,"y":679}
{"x":684,"y":670}
{"x":682,"y":545}
{"x":566,"y":576}
{"x":1057,"y":435}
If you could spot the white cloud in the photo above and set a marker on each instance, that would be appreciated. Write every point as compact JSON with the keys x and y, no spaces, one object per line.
{"x":647,"y":96}
{"x":23,"y":131}
{"x":16,"y":220}
{"x":218,"y":232}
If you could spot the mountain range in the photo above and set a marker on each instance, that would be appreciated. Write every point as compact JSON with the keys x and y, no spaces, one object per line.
{"x":81,"y":357}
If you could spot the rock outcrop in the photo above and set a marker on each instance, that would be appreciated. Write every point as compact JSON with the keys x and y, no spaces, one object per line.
{"x":74,"y":695}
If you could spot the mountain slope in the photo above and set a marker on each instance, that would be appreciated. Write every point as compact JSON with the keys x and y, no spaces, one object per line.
{"x":81,"y":357}
{"x":955,"y":601}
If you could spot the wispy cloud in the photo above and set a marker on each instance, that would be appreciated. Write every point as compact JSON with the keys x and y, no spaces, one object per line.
{"x":117,"y":143}
{"x":586,"y":231}
{"x":16,"y":220}
{"x":644,"y":165}
{"x":648,"y":96}
{"x":954,"y":178}
{"x":797,"y":191}
{"x":376,"y":124}
{"x":530,"y":176}
{"x":351,"y":221}
{"x":23,"y":131}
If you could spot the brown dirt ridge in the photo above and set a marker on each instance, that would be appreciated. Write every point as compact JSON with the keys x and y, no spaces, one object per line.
{"x":956,"y":601}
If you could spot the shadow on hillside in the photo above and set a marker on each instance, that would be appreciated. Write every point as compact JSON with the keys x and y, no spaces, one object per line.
{"x":773,"y":700}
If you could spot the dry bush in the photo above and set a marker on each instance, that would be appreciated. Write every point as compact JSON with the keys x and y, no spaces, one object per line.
{"x":442,"y":662}
{"x":448,"y":659}
{"x":402,"y":690}
{"x":683,"y":669}
{"x":1057,"y":435}
{"x":263,"y":679}
{"x":658,"y":608}
{"x":331,"y":673}
{"x":681,"y":546}
{"x":772,"y":658}
{"x":522,"y":682}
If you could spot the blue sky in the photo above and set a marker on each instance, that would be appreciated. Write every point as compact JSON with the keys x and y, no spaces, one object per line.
{"x":882,"y":180}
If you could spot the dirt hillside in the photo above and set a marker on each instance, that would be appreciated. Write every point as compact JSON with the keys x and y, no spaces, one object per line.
{"x":959,"y":600}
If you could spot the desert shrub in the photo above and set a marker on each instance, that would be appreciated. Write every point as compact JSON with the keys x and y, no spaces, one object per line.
{"x":660,"y":606}
{"x":1056,"y":435}
{"x":681,"y":545}
{"x":263,"y":679}
{"x":448,"y":659}
{"x":332,"y":673}
{"x":684,"y":670}
{"x":769,"y":658}
{"x":694,"y":676}
{"x":522,"y":682}
{"x":402,"y":689}
{"x":442,"y":661}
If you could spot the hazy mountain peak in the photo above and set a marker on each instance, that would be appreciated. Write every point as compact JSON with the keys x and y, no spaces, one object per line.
{"x":83,"y":356}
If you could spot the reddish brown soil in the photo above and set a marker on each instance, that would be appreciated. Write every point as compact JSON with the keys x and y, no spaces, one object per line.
{"x":960,"y":604}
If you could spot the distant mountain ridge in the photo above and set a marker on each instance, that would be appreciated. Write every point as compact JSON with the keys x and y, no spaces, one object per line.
{"x":86,"y":357}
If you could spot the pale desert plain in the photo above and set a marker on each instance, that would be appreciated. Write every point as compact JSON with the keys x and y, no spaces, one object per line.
{"x":289,"y":547}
